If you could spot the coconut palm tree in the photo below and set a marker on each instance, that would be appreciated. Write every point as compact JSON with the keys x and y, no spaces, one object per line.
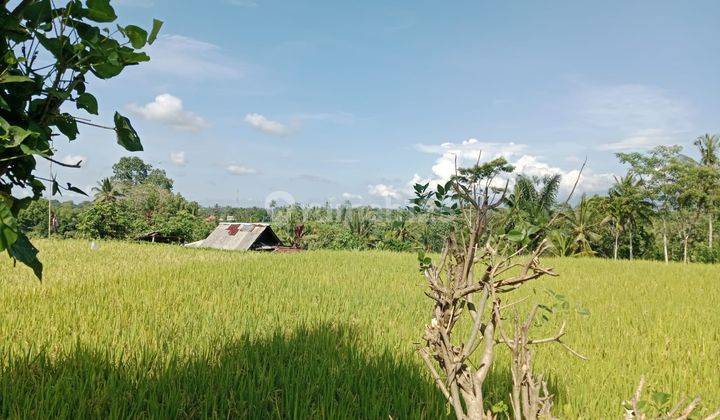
{"x":629,"y":198}
{"x":532,"y":202}
{"x":361,"y":222}
{"x":584,"y":224}
{"x":709,"y":148}
{"x":614,"y":213}
{"x":106,"y":191}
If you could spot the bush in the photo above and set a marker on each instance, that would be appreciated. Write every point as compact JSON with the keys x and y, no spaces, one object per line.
{"x":106,"y":220}
{"x":705,"y":254}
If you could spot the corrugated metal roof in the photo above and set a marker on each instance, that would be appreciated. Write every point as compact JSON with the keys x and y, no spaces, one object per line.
{"x":238,"y":236}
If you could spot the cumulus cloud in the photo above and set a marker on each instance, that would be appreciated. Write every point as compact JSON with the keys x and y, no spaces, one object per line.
{"x":240,"y":170}
{"x":74,"y":160}
{"x":187,"y":57}
{"x":351,"y":196}
{"x":265,"y":125}
{"x":168,"y":109}
{"x":384,"y":191}
{"x":178,"y":158}
{"x":469,"y":151}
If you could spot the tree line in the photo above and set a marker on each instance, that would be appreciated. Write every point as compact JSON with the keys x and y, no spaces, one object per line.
{"x":665,"y":207}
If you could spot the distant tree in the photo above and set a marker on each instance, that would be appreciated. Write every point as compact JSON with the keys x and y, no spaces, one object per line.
{"x":633,"y":204}
{"x":360,"y":223}
{"x":106,"y":220}
{"x":709,"y":148}
{"x":131,"y":171}
{"x":159,"y":178}
{"x":532,"y":204}
{"x":106,"y":191}
{"x":661,"y":171}
{"x":34,"y":218}
{"x":615,"y":214}
{"x":584,"y":224}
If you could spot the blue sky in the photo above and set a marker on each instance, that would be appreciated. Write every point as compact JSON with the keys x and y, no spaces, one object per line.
{"x":333,"y":100}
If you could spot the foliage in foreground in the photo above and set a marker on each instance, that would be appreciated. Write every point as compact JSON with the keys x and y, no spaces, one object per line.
{"x":49,"y":54}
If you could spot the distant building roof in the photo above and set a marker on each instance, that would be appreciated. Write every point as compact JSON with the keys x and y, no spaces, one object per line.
{"x":240,"y":237}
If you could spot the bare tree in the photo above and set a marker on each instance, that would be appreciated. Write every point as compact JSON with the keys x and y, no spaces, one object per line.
{"x":474,"y":271}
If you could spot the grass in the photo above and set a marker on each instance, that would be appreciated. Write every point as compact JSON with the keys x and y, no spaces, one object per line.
{"x":141,"y":330}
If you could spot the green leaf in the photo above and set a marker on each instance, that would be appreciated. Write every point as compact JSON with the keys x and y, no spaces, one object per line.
{"x":100,"y":11}
{"x":38,"y":12}
{"x":88,"y":33}
{"x":67,"y":125}
{"x":14,"y":78}
{"x":55,"y":188}
{"x":660,"y":398}
{"x":131,"y":57}
{"x":13,"y":132}
{"x":87,"y":102}
{"x":515,"y":235}
{"x":127,"y":137}
{"x":106,"y":69}
{"x":499,"y":407}
{"x":9,"y":230}
{"x":23,"y":251}
{"x":137,"y":36}
{"x":76,"y":190}
{"x":157,"y":24}
{"x":531,"y":230}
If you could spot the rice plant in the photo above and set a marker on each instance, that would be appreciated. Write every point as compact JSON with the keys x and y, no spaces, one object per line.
{"x":142,"y":330}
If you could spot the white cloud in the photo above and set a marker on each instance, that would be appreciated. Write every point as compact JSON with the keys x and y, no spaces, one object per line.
{"x":638,"y":116}
{"x":589,"y":181}
{"x":178,"y":158}
{"x":265,"y":125}
{"x":640,"y":140}
{"x":168,"y":109}
{"x":466,"y":153}
{"x":187,"y":57}
{"x":350,"y":196}
{"x":74,"y":160}
{"x":385,"y":191}
{"x":240,"y":170}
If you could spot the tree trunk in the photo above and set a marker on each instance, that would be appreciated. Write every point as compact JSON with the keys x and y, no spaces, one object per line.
{"x":665,"y":243}
{"x":615,"y":247}
{"x":631,"y":244}
{"x":685,"y":249}
{"x":710,"y":230}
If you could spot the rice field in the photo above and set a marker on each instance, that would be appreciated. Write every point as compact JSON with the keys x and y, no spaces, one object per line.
{"x":142,"y":330}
